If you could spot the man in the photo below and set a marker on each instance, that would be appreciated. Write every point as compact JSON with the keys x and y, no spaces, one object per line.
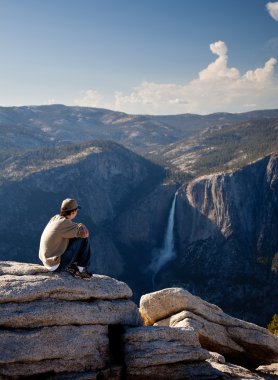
{"x":64,"y":244}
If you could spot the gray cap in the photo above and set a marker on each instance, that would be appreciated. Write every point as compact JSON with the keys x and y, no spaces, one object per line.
{"x":69,"y":204}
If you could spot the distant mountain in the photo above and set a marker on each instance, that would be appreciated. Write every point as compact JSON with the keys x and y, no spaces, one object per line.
{"x":222,"y":148}
{"x":36,"y":126}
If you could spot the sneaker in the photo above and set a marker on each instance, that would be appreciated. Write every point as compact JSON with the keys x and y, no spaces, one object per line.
{"x":72,"y":269}
{"x":84,"y":275}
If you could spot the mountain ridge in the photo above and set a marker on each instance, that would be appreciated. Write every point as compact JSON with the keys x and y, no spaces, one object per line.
{"x":35,"y":126}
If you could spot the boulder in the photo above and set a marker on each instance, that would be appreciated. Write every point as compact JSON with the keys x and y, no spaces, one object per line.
{"x":164,"y":303}
{"x":239,"y":341}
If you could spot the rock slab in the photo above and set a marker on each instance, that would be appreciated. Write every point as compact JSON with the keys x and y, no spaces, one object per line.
{"x":54,"y":325}
{"x":56,"y":349}
{"x":159,"y":346}
{"x":29,"y":282}
{"x":239,"y":341}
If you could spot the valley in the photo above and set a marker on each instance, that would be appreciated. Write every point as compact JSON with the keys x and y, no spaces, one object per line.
{"x":125,"y":170}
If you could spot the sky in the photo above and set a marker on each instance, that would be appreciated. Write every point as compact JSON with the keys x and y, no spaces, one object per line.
{"x":140,"y":56}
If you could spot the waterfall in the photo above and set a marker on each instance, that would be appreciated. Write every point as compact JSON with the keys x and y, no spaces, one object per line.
{"x":167,"y":252}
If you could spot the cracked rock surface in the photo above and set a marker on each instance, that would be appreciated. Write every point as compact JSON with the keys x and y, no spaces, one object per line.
{"x":54,"y":324}
{"x":56,"y":327}
{"x":238,"y":340}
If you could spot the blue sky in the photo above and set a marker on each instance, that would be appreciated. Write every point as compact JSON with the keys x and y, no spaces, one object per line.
{"x":140,"y":56}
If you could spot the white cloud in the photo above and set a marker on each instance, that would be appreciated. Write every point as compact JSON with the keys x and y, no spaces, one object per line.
{"x":217,"y":88}
{"x":51,"y":101}
{"x":90,"y":98}
{"x":273,"y":10}
{"x":261,"y":75}
{"x":219,"y":67}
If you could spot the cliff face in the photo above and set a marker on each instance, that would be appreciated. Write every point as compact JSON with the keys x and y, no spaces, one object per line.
{"x":124,"y":204}
{"x":139,"y":231}
{"x":227,"y":241}
{"x":105,"y":178}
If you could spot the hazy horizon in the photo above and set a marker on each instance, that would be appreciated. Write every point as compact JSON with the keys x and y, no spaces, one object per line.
{"x":156,"y":57}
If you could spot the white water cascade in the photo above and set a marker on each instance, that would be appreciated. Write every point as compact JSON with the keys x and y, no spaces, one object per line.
{"x":167,"y":252}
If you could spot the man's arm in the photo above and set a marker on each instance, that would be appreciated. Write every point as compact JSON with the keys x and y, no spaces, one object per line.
{"x":82,"y":231}
{"x":74,"y":230}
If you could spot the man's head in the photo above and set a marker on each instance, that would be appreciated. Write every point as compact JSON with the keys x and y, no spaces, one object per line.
{"x":68,"y":207}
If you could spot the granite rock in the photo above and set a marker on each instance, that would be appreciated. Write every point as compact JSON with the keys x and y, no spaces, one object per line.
{"x":63,"y":348}
{"x":238,"y":340}
{"x":48,"y":312}
{"x":15,"y":286}
{"x":193,"y":371}
{"x":56,"y":326}
{"x":156,"y":346}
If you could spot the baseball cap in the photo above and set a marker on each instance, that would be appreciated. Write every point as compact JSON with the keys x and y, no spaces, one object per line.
{"x":69,"y":204}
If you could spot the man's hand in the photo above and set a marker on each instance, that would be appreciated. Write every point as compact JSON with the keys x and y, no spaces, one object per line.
{"x":84,"y":230}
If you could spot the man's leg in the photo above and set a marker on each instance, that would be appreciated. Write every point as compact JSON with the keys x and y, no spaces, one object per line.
{"x":78,"y":253}
{"x":83,"y":256}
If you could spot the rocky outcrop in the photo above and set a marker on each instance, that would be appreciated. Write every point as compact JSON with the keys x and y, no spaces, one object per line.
{"x":163,"y":353}
{"x":56,"y":327}
{"x":237,"y":340}
{"x":24,"y":288}
{"x":52,"y":323}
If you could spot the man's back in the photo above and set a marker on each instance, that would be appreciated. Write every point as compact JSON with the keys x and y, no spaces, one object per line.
{"x":55,"y":239}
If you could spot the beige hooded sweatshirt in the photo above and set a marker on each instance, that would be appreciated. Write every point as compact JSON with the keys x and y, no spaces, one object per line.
{"x":55,"y":239}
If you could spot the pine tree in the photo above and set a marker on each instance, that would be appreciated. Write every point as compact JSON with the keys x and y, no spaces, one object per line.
{"x":273,"y":325}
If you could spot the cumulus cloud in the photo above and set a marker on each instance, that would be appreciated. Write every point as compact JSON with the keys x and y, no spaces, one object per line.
{"x":273,"y":10}
{"x":217,"y":87}
{"x":219,"y":68}
{"x":90,"y":98}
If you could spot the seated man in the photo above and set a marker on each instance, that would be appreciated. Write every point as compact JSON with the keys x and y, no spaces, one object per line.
{"x":64,"y":244}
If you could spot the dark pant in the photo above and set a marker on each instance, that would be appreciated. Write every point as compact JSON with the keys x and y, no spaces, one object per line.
{"x":78,"y":251}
